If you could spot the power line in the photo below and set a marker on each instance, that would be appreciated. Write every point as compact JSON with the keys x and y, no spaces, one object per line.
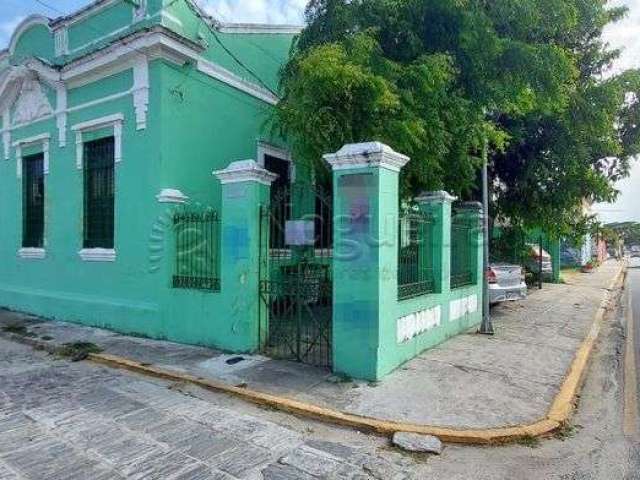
{"x":231,"y":54}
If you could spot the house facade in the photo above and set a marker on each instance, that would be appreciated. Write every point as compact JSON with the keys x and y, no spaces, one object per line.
{"x":114,"y":119}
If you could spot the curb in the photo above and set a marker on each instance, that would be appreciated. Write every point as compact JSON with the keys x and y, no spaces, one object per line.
{"x":559,"y":413}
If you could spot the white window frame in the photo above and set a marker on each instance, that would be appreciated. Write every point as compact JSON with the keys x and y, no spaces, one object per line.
{"x":19,"y":145}
{"x":116,"y":121}
{"x":266,"y":148}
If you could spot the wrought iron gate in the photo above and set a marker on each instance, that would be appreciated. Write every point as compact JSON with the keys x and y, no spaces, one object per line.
{"x":296,"y":241}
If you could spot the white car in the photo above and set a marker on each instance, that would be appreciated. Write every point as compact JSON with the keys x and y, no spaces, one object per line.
{"x":506,"y":283}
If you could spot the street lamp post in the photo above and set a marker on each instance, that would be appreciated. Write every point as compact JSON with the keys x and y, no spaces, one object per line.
{"x":486,"y":327}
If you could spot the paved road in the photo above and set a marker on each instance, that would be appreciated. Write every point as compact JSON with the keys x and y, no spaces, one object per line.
{"x":65,"y":421}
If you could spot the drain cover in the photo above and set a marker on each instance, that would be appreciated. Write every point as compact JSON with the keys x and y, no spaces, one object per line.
{"x":234,"y":360}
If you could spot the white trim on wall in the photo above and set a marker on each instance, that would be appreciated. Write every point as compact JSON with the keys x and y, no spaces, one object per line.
{"x":44,"y":138}
{"x":259,"y":28}
{"x":114,"y":121}
{"x":61,"y":39}
{"x":141,"y":90}
{"x":61,"y":114}
{"x":171,"y":195}
{"x":32,"y":253}
{"x":214,"y":70}
{"x":97,"y":254}
{"x":88,"y":11}
{"x":140,"y":11}
{"x":6,"y":133}
{"x":266,"y":148}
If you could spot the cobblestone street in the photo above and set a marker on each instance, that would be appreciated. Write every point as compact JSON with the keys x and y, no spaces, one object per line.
{"x":62,"y":420}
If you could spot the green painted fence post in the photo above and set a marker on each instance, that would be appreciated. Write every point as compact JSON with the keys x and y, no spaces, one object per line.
{"x":365,"y":255}
{"x":438,"y":205}
{"x":245,"y":187}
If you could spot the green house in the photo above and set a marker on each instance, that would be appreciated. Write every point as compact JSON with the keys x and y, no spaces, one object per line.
{"x":127,"y":202}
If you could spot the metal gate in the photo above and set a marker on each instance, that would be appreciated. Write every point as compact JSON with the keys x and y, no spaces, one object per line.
{"x":296,"y":241}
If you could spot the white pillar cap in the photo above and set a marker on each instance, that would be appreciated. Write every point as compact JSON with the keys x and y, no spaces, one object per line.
{"x":439,"y":196}
{"x":245,"y":171}
{"x":366,"y":155}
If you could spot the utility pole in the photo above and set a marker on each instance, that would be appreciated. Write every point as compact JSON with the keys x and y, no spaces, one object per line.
{"x":486,"y":327}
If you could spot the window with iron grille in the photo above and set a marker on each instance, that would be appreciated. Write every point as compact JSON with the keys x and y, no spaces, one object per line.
{"x":197,"y":242}
{"x":33,"y":201}
{"x":415,"y":255}
{"x":99,"y":160}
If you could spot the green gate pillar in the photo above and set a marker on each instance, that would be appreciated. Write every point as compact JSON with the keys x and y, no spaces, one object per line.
{"x":438,"y":205}
{"x":365,"y":256}
{"x":245,"y":187}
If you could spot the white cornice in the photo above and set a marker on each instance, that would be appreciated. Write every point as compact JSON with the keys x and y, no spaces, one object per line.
{"x":259,"y":28}
{"x":93,"y":8}
{"x":225,"y":76}
{"x":126,"y":53}
{"x":366,"y":155}
{"x":245,"y":171}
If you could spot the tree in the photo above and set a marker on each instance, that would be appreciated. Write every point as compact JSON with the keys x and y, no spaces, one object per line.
{"x":435,"y":78}
{"x":629,"y":232}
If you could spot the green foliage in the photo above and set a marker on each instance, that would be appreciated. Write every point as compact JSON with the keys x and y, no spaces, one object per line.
{"x":435,"y":79}
{"x":629,"y":232}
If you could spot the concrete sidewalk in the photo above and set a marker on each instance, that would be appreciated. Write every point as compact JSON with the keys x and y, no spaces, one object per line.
{"x":470,"y":381}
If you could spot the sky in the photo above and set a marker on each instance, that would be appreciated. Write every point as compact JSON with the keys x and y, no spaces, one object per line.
{"x":624,"y":34}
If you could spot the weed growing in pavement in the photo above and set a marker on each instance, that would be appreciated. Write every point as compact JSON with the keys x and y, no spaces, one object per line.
{"x":18,"y":330}
{"x":566,"y":431}
{"x":77,"y":351}
{"x":529,"y":441}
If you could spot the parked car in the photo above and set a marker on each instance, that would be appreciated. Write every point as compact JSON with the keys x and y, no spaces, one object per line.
{"x":506,"y":282}
{"x":533,"y":261}
{"x":570,"y":256}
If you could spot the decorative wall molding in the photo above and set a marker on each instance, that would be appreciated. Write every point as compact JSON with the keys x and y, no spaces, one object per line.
{"x":417,"y":323}
{"x":6,"y":133}
{"x":114,"y":121}
{"x":366,"y":155}
{"x":61,"y":114}
{"x":44,"y":138}
{"x":141,"y":91}
{"x":171,"y":195}
{"x":97,"y":255}
{"x":32,"y":104}
{"x":140,"y":11}
{"x":245,"y":171}
{"x":61,"y":38}
{"x":32,"y":253}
